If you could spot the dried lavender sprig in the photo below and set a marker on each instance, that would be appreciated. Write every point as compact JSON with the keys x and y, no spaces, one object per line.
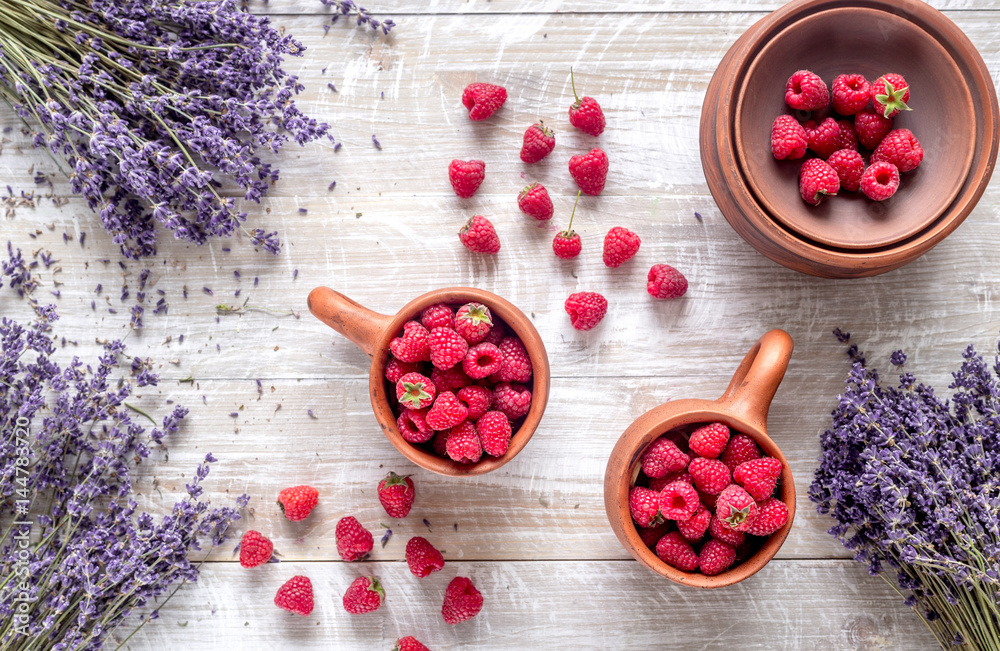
{"x":348,"y":7}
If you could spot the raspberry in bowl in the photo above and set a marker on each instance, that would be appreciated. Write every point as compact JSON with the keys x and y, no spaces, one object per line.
{"x":459,"y":377}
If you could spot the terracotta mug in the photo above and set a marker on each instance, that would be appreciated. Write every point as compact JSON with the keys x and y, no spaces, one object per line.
{"x":743,"y":408}
{"x":372,"y":332}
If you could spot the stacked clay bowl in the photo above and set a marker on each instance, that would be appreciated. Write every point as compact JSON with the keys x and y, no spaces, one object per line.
{"x":955,"y":116}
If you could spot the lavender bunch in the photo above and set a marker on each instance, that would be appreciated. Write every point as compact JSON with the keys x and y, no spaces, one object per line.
{"x":77,"y":556}
{"x":153,"y":104}
{"x":912,"y":481}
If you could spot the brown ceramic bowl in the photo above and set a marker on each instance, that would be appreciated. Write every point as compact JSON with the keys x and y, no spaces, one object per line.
{"x":743,"y":408}
{"x":372,"y":332}
{"x":768,"y":234}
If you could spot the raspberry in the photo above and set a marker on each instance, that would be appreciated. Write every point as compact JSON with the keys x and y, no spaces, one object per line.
{"x":652,"y":535}
{"x":850,"y":94}
{"x":466,"y":176}
{"x":772,"y":514}
{"x":741,"y":448}
{"x":415,"y":391}
{"x":871,"y":127}
{"x":657,"y":483}
{"x":644,"y":505}
{"x":512,"y":400}
{"x":758,"y":476}
{"x":663,"y":281}
{"x":451,"y":379}
{"x":880,"y":181}
{"x":461,"y":601}
{"x":494,"y":433}
{"x":590,"y":171}
{"x":848,"y":138}
{"x":438,"y":316}
{"x":566,"y":244}
{"x":479,"y":236}
{"x":298,"y":502}
{"x":890,"y":93}
{"x":440,"y":443}
{"x":422,"y":558}
{"x":515,"y":365}
{"x":817,"y":180}
{"x":483,"y":100}
{"x":412,"y":425}
{"x":395,"y":369}
{"x":736,"y":508}
{"x":788,"y":138}
{"x":409,"y":643}
{"x":585,"y":114}
{"x":715,"y":557}
{"x":446,"y":412}
{"x":663,"y":457}
{"x":620,"y":244}
{"x":414,"y":345}
{"x":354,"y":542}
{"x":473,"y":321}
{"x":823,"y":138}
{"x":849,"y":167}
{"x":396,"y":494}
{"x":255,"y":549}
{"x":476,"y":399}
{"x":805,"y":91}
{"x":463,"y":444}
{"x":694,"y":528}
{"x":539,"y":141}
{"x":481,"y":360}
{"x":901,"y":148}
{"x":496,"y":334}
{"x":365,"y":595}
{"x":719,"y":530}
{"x":678,"y":501}
{"x":586,"y":309}
{"x":534,"y":201}
{"x":295,"y":596}
{"x":448,"y":348}
{"x":710,"y":476}
{"x":677,"y":552}
{"x":709,"y":440}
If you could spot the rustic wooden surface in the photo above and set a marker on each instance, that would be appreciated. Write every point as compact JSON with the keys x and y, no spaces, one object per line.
{"x":533,"y":535}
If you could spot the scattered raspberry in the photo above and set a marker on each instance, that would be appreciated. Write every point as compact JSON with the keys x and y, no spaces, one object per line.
{"x":255,"y":549}
{"x":534,"y":201}
{"x":650,"y":536}
{"x":415,"y":391}
{"x":644,"y":505}
{"x":736,"y":508}
{"x":663,"y":457}
{"x":590,"y":171}
{"x":620,"y":244}
{"x":677,"y":552}
{"x":719,"y":530}
{"x":678,"y":501}
{"x":494,"y":433}
{"x":438,"y":316}
{"x":850,"y":94}
{"x":849,"y":167}
{"x":295,"y":596}
{"x":823,"y":138}
{"x":451,"y":379}
{"x":476,"y":399}
{"x":805,"y":91}
{"x":758,"y":476}
{"x":539,"y":141}
{"x":479,"y":236}
{"x":354,"y":542}
{"x":409,"y":643}
{"x":461,"y":601}
{"x":848,"y":138}
{"x":298,"y":502}
{"x":448,"y":348}
{"x":880,"y":181}
{"x":741,"y":448}
{"x":512,"y":400}
{"x":586,"y":309}
{"x":412,"y":425}
{"x":709,"y":440}
{"x":567,"y":244}
{"x":788,"y":138}
{"x":663,"y":281}
{"x":901,"y":148}
{"x":365,"y":595}
{"x":422,"y":557}
{"x":396,"y":495}
{"x":585,"y":114}
{"x":395,"y":369}
{"x":515,"y":365}
{"x":481,"y":360}
{"x":710,"y":476}
{"x":890,"y":93}
{"x":817,"y":180}
{"x":715,"y":557}
{"x":463,"y":444}
{"x":446,"y":412}
{"x":473,"y":321}
{"x":657,"y":483}
{"x":466,"y":176}
{"x":414,"y":345}
{"x":483,"y":100}
{"x":694,"y":528}
{"x":871,"y":127}
{"x":772,"y":514}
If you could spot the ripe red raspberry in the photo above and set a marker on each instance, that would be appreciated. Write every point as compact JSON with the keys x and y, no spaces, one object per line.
{"x":448,"y":348}
{"x":438,"y":316}
{"x":585,"y":114}
{"x":871,"y":127}
{"x":849,"y":167}
{"x":741,"y":448}
{"x":586,"y":309}
{"x":620,"y":244}
{"x":494,"y":433}
{"x":446,"y":412}
{"x":694,"y":528}
{"x":710,"y":476}
{"x":409,"y":643}
{"x":414,"y":344}
{"x":365,"y":595}
{"x":440,"y":443}
{"x":880,"y":181}
{"x":788,"y":138}
{"x":452,"y":379}
{"x":396,"y":494}
{"x":805,"y":91}
{"x":395,"y":369}
{"x":719,"y":530}
{"x":590,"y":171}
{"x":539,"y":141}
{"x":772,"y":514}
{"x":298,"y":502}
{"x":736,"y":508}
{"x":657,"y":483}
{"x":715,"y":557}
{"x":415,"y":391}
{"x":758,"y":476}
{"x":476,"y":399}
{"x":515,"y":365}
{"x":890,"y":93}
{"x":512,"y":400}
{"x":295,"y":596}
{"x":354,"y":542}
{"x":534,"y":201}
{"x":901,"y":148}
{"x":496,"y":334}
{"x":663,"y":281}
{"x":479,"y":236}
{"x":422,"y":557}
{"x":850,"y":94}
{"x":463,"y":444}
{"x":823,"y":138}
{"x":482,"y":360}
{"x":709,"y":440}
{"x":817,"y":180}
{"x":461,"y":601}
{"x":644,"y":505}
{"x":566,"y":244}
{"x":848,"y":138}
{"x":652,"y":535}
{"x":663,"y":457}
{"x":255,"y":549}
{"x":412,"y":425}
{"x":473,"y":321}
{"x":677,"y":552}
{"x":483,"y":100}
{"x":466,"y":176}
{"x":678,"y":501}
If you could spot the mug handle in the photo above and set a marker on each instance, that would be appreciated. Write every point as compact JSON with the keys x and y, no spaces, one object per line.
{"x":756,"y":380}
{"x":355,"y":321}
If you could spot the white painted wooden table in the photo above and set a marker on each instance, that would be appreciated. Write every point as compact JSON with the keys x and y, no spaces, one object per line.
{"x":532,"y":536}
